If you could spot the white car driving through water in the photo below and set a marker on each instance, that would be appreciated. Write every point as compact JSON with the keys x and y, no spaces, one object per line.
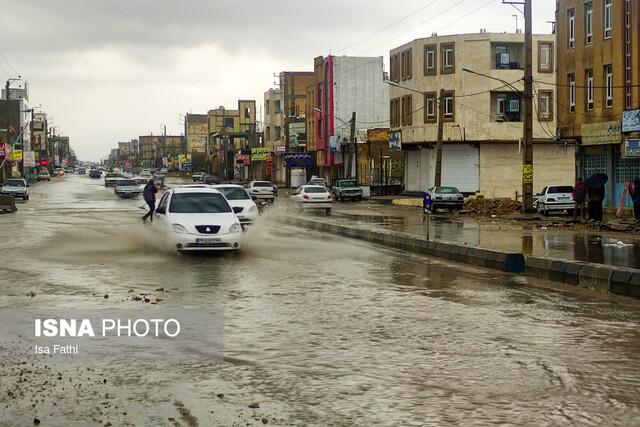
{"x":241,"y":202}
{"x":197,"y":219}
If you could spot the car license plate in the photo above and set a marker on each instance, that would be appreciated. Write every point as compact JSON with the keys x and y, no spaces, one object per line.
{"x":208,"y":240}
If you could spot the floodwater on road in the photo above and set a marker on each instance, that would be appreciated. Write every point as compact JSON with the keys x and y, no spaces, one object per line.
{"x":318,"y":329}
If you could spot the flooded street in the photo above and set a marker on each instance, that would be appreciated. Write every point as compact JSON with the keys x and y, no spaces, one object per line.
{"x":318,"y":329}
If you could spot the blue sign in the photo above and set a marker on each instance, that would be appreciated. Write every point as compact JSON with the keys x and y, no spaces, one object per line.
{"x":427,"y":203}
{"x":298,"y":160}
{"x":632,"y":148}
{"x":631,"y":121}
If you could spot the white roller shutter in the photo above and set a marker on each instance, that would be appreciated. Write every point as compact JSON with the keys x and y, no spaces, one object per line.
{"x":461,"y":167}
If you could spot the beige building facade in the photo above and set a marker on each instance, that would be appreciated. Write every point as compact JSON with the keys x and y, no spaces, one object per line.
{"x":481,"y":76}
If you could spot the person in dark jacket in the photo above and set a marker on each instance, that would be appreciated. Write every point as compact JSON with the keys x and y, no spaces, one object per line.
{"x":149,"y":195}
{"x":579,"y":199}
{"x":635,"y":197}
{"x":596,"y":197}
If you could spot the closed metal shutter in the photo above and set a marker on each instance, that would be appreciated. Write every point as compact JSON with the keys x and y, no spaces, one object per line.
{"x":461,"y":167}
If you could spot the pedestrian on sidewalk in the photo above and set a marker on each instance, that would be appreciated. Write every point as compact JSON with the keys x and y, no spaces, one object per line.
{"x":149,"y":195}
{"x":579,"y":199}
{"x":596,"y":197}
{"x":635,"y":198}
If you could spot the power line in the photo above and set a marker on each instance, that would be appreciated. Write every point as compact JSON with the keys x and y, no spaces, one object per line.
{"x":8,"y":63}
{"x":388,"y":26}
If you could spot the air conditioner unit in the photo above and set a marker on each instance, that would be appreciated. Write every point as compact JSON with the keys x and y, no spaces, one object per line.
{"x":513,"y":106}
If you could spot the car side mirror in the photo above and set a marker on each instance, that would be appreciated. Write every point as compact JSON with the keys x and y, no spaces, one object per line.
{"x":254,"y":198}
{"x":161,"y":210}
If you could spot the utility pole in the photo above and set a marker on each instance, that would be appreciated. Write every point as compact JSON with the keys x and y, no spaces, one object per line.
{"x":438,"y":180}
{"x":352,"y":141}
{"x":527,"y":161}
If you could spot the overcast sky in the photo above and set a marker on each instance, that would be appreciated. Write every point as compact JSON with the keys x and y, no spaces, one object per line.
{"x":111,"y":70}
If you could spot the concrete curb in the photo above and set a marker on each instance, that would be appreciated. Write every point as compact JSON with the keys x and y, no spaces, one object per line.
{"x":600,"y":277}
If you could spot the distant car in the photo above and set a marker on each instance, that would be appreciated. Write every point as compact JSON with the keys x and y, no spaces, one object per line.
{"x":197,"y":219}
{"x":82,"y":171}
{"x":145,"y":173}
{"x":127,"y":188}
{"x":44,"y":175}
{"x":16,"y":187}
{"x":159,"y":176}
{"x":111,"y":179}
{"x":317,"y":181}
{"x":58,"y":172}
{"x":95,"y":173}
{"x":210,"y":179}
{"x":446,"y":198}
{"x":262,"y":190}
{"x":313,"y":197}
{"x":554,"y":198}
{"x":68,"y":170}
{"x":197,"y":176}
{"x":140,"y":180}
{"x":347,"y":189}
{"x":241,"y":202}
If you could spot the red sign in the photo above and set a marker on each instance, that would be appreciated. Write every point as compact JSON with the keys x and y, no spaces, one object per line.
{"x":269,"y":166}
{"x":3,"y":151}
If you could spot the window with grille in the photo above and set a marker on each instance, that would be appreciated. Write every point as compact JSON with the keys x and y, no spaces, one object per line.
{"x":589,"y":88}
{"x":571,"y":26}
{"x":588,"y":22}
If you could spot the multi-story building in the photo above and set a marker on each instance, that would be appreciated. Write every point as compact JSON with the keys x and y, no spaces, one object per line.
{"x":196,"y":131}
{"x":232,"y":134}
{"x":273,"y":135}
{"x":598,"y":103}
{"x":160,"y":150}
{"x":481,"y":79}
{"x":15,"y":118}
{"x":344,"y":85}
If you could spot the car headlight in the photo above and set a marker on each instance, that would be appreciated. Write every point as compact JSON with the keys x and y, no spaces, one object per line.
{"x":253,"y":208}
{"x":235,"y":228}
{"x":179,"y":228}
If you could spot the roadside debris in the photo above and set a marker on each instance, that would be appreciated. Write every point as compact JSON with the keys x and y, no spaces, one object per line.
{"x":482,"y":206}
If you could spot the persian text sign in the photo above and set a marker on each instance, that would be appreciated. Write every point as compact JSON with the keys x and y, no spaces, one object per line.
{"x":259,"y":154}
{"x":601,"y":133}
{"x":631,"y":148}
{"x":298,"y":160}
{"x":631,"y":121}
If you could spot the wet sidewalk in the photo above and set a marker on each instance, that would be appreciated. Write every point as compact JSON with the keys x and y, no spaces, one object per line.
{"x":532,"y":238}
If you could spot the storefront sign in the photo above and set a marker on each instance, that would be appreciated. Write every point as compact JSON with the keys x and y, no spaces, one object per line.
{"x":395,"y":140}
{"x":16,"y":155}
{"x":29,"y":159}
{"x":601,"y":133}
{"x":281,"y":149}
{"x":298,"y":160}
{"x":527,"y":174}
{"x":3,"y":151}
{"x":631,"y":148}
{"x":259,"y":154}
{"x":334,"y":143}
{"x":269,"y":166}
{"x":297,"y":134}
{"x":631,"y":121}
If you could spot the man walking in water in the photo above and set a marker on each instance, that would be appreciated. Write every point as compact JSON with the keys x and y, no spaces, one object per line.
{"x":149,"y":195}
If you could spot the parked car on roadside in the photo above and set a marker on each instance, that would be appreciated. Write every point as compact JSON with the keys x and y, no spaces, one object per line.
{"x":210,"y":179}
{"x":58,"y":172}
{"x":16,"y":187}
{"x":317,"y":181}
{"x":241,"y":202}
{"x":262,"y":190}
{"x":111,"y":179}
{"x":446,"y":198}
{"x":82,"y":171}
{"x":44,"y":175}
{"x":347,"y":189}
{"x":127,"y":188}
{"x":197,"y":219}
{"x":313,"y":197}
{"x":554,"y":198}
{"x":197,"y":176}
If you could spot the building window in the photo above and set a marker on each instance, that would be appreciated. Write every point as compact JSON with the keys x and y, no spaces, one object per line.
{"x":278,"y":133}
{"x":407,"y":110}
{"x":403,"y":65}
{"x":430,"y":60}
{"x":277,"y":108}
{"x":266,"y":106}
{"x":501,"y":106}
{"x":571,"y":27}
{"x":449,"y":106}
{"x":589,"y":80}
{"x":608,"y":86}
{"x":430,"y":107}
{"x":588,"y":22}
{"x":395,"y":112}
{"x":608,"y":30}
{"x":267,"y":133}
{"x":409,"y":64}
{"x":545,"y":105}
{"x":247,"y":113}
{"x":448,"y":58}
{"x":572,"y":92}
{"x":228,"y":122}
{"x":545,"y":57}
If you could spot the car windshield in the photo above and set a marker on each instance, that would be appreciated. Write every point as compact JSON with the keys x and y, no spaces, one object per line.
{"x":348,"y":184}
{"x":234,"y":193}
{"x":314,"y":190}
{"x":14,"y":183}
{"x":560,"y":189}
{"x":262,"y":184}
{"x":126,"y":182}
{"x":199,"y":203}
{"x":447,"y":190}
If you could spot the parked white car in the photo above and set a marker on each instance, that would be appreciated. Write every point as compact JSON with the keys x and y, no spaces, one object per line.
{"x":241,"y":202}
{"x":197,"y":219}
{"x":16,"y":187}
{"x":554,"y":198}
{"x":261,"y":190}
{"x":313,"y":197}
{"x":127,"y":188}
